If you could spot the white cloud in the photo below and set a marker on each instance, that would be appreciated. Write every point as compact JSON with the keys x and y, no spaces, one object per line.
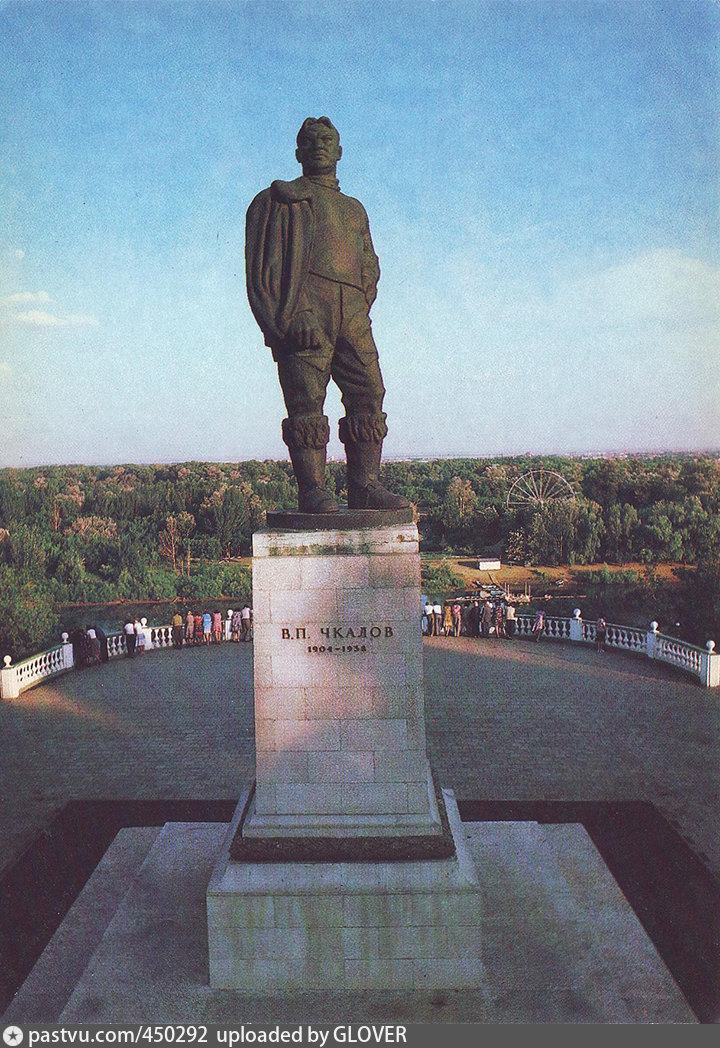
{"x":27,"y":297}
{"x":626,"y":357}
{"x":660,"y":286}
{"x":470,"y":305}
{"x":39,"y":318}
{"x":20,"y":253}
{"x":79,"y":320}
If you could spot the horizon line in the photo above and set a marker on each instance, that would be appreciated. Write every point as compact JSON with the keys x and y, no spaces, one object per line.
{"x":711,"y":452}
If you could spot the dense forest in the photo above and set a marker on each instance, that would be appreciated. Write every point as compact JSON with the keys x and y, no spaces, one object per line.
{"x":89,"y":534}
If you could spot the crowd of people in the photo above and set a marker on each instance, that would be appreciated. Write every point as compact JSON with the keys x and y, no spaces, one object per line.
{"x":491,"y":618}
{"x":90,"y":645}
{"x":209,"y":628}
{"x":453,"y":618}
{"x":474,"y":619}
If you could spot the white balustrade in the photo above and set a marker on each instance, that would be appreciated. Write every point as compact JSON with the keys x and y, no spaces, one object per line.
{"x":557,"y":628}
{"x":523,"y":625}
{"x":626,"y":638}
{"x":148,"y":645}
{"x":22,"y":675}
{"x":710,"y":664}
{"x":703,"y":663}
{"x":160,"y":636}
{"x":117,"y":644}
{"x":678,"y":653}
{"x":576,"y":626}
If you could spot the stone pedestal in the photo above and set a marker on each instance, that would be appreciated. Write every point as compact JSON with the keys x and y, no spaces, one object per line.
{"x":339,"y":705}
{"x":347,"y":867}
{"x":373,"y":925}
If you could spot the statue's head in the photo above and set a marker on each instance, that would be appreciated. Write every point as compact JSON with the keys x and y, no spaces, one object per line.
{"x":318,"y":146}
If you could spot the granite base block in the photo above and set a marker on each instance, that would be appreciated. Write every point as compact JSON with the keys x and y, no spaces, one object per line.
{"x":347,"y":925}
{"x":560,"y":942}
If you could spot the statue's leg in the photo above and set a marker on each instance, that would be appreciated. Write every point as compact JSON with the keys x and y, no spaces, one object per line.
{"x":306,"y":430}
{"x":356,"y":370}
{"x":306,"y":437}
{"x":363,"y":437}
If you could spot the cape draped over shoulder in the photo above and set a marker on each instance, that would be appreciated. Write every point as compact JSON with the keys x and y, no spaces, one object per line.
{"x":278,"y":242}
{"x":279,"y":234}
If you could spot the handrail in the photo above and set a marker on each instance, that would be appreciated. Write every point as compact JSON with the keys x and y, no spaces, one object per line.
{"x":703,"y":663}
{"x":18,"y":677}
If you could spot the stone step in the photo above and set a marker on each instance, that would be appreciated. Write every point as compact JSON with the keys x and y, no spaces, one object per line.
{"x":561,"y":944}
{"x":153,"y":956}
{"x":52,"y":980}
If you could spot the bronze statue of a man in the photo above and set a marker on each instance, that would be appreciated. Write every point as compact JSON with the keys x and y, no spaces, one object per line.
{"x":312,"y":277}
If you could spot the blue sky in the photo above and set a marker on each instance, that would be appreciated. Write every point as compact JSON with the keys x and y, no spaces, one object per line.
{"x":542,"y":185}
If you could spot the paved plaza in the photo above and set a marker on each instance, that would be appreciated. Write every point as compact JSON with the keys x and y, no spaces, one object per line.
{"x":507,"y":720}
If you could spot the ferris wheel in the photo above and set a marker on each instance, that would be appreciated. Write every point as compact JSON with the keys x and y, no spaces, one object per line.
{"x":538,"y":486}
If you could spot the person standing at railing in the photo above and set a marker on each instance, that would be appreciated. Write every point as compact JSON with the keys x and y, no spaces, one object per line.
{"x":130,"y":638}
{"x":510,"y":620}
{"x":486,"y":618}
{"x":189,"y":627}
{"x":217,"y":626}
{"x":177,"y":630}
{"x":500,"y":619}
{"x":206,"y":627}
{"x":139,"y":637}
{"x":600,"y":634}
{"x":437,"y":619}
{"x":538,"y":626}
{"x":472,"y":619}
{"x":93,"y":646}
{"x":246,"y":620}
{"x":78,"y":641}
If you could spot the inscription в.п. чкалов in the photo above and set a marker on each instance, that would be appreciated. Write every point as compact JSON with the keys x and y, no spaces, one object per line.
{"x":337,"y":633}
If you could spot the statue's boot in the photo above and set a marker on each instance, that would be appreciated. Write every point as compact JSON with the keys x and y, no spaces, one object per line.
{"x":306,"y":437}
{"x":363,"y":437}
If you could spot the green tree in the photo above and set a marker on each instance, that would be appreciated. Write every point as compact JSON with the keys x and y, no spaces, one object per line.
{"x":602,"y":480}
{"x":622,"y":528}
{"x":459,"y":504}
{"x":26,"y":547}
{"x":551,"y":533}
{"x":175,"y":540}
{"x":28,"y":617}
{"x":565,"y":532}
{"x":230,"y":515}
{"x":439,"y":578}
{"x":517,"y":549}
{"x":236,"y":582}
